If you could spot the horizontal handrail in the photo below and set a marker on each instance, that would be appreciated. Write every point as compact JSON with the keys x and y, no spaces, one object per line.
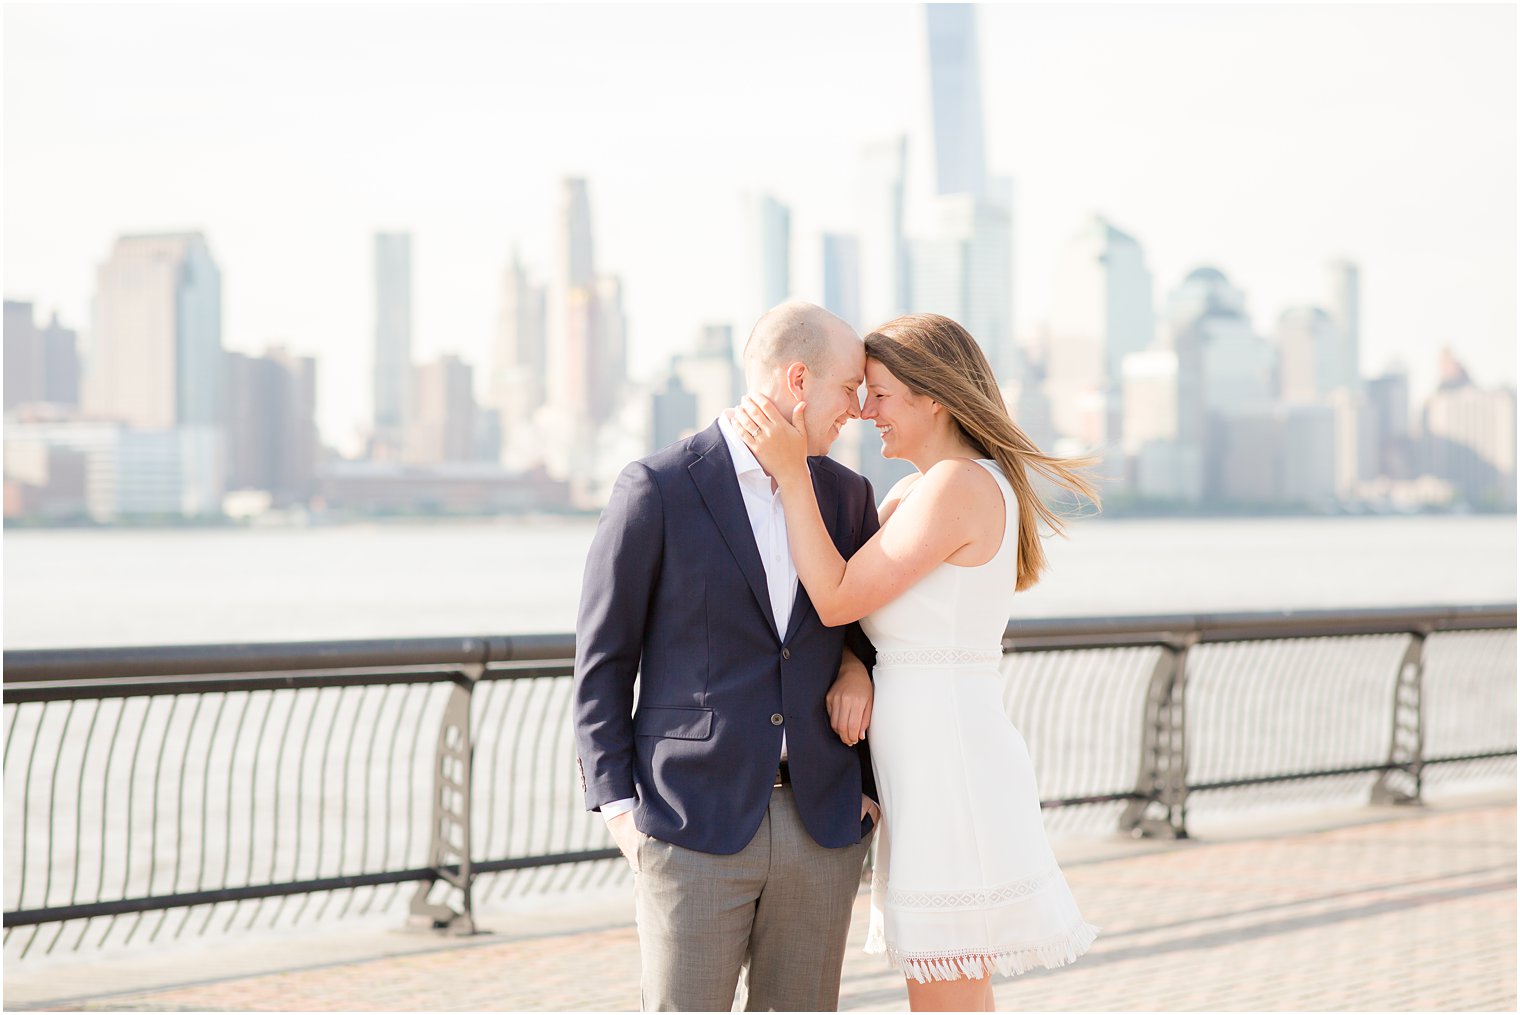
{"x":125,"y":662}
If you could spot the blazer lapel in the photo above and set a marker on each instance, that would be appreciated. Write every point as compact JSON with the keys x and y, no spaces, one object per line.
{"x":716,"y":481}
{"x":825,"y":489}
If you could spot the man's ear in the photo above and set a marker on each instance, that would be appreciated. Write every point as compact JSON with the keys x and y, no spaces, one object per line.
{"x":796,"y":373}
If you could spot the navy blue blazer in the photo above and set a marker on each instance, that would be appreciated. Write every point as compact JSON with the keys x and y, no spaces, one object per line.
{"x":675,"y":594}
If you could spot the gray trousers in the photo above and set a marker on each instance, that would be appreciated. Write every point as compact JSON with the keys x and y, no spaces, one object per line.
{"x":778,"y":910}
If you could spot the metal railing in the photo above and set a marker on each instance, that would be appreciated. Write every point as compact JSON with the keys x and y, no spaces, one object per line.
{"x":183,"y":785}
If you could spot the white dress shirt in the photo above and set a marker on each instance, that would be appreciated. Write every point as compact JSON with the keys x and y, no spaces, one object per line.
{"x":767,"y":519}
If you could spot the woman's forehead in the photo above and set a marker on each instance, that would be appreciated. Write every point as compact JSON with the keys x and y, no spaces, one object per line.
{"x":877,"y":373}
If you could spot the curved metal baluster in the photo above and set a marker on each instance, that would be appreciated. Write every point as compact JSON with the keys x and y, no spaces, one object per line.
{"x":179,"y":818}
{"x":501,"y":785}
{"x":158,"y":775}
{"x":105,"y":813}
{"x":321,"y":800}
{"x":26,"y":815}
{"x":297,"y":697}
{"x":407,"y":856}
{"x":63,"y":738}
{"x":343,"y":790}
{"x":366,"y":772}
{"x":84,"y":763}
{"x":200,"y":861}
{"x":390,"y":788}
{"x":253,"y":803}
{"x":126,"y":874}
{"x":237,"y":741}
{"x":279,"y":774}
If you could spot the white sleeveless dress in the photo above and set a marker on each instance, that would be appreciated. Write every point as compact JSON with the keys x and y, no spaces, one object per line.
{"x":965,"y":882}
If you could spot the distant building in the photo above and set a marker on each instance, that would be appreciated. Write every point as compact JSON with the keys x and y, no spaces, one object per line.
{"x":884,"y":280}
{"x":841,"y":277}
{"x":1388,"y":400}
{"x":673,"y":413}
{"x":1160,"y":466}
{"x":1345,"y":307}
{"x":963,"y":269}
{"x":1314,"y":356}
{"x":960,"y":166}
{"x":1274,"y":454}
{"x":393,"y":341}
{"x":444,"y":427}
{"x":586,"y":359}
{"x":1101,"y":312}
{"x":156,"y":352}
{"x":711,"y":375}
{"x":767,"y":255}
{"x":271,"y":425}
{"x":1307,"y":457}
{"x":519,"y":369}
{"x":107,"y":470}
{"x":1468,"y":438}
{"x":41,"y":363}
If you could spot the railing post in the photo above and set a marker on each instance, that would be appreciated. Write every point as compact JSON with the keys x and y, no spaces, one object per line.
{"x":1406,"y":743}
{"x":450,"y":851}
{"x":1162,"y":776}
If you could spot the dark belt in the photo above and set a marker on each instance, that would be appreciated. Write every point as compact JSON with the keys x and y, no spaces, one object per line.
{"x":783,"y":776}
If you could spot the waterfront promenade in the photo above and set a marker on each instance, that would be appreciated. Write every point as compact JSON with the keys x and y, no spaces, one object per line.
{"x":1363,"y":908}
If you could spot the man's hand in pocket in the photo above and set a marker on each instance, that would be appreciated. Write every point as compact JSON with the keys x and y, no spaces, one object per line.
{"x":626,"y":836}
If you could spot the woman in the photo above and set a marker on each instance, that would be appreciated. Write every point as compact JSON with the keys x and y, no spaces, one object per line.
{"x":966,"y":883}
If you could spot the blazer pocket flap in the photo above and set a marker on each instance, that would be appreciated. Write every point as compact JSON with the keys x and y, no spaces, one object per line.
{"x":671,"y":721}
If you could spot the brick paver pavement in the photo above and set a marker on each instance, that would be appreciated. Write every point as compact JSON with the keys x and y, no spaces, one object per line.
{"x":1412,"y":912}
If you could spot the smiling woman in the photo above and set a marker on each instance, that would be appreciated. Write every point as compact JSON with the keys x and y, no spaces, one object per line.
{"x":966,"y":884}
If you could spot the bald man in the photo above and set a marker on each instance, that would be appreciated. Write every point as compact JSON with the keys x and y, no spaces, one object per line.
{"x":744,"y":816}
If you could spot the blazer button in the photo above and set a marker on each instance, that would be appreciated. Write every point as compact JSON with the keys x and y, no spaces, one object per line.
{"x":776,"y":719}
{"x":786,"y":653}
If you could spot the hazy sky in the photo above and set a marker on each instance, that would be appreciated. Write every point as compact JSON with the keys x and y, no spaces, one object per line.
{"x":1262,"y":139}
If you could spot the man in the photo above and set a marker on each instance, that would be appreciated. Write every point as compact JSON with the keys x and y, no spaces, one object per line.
{"x":744,"y":815}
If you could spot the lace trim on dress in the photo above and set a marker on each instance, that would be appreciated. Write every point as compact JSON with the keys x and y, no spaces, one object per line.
{"x":955,"y":965}
{"x":973,"y":898}
{"x":937,"y":656}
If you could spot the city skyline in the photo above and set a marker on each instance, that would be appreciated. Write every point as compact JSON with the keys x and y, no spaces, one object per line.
{"x":1273,"y":240}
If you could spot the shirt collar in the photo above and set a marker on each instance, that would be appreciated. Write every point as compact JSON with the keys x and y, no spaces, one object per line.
{"x":744,"y":459}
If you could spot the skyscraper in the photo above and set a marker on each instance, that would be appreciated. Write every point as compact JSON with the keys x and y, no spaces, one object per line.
{"x":156,"y":356}
{"x":884,"y":281}
{"x":1469,"y":437}
{"x":955,"y":86}
{"x":519,"y":365}
{"x":271,"y":424}
{"x":572,"y":306}
{"x":841,"y":277}
{"x":964,"y":268}
{"x":1101,"y":312}
{"x":609,"y":364}
{"x":1311,"y":355}
{"x":25,"y":362}
{"x":1388,"y":398}
{"x":444,"y":426}
{"x":767,"y":255}
{"x":393,"y":339}
{"x":587,"y":347}
{"x":1346,"y":311}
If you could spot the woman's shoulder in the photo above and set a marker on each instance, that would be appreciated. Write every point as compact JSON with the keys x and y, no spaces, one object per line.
{"x":959,"y":475}
{"x":902,"y":486}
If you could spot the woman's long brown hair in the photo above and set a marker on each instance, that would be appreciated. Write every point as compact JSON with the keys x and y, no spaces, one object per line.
{"x":937,"y":358}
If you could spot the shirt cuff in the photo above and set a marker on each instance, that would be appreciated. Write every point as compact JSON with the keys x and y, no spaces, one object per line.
{"x":613,"y":808}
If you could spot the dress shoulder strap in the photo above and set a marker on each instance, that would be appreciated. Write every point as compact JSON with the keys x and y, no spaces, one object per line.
{"x":1010,"y":502}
